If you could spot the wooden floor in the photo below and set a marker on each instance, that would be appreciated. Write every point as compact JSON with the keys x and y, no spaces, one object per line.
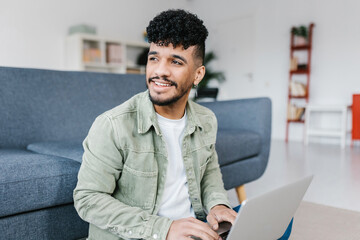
{"x":337,"y":173}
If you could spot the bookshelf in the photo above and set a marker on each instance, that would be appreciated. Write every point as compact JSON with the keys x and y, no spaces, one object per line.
{"x":299,"y":76}
{"x":86,"y":52}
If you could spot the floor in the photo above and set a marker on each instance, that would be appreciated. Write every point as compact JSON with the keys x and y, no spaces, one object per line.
{"x":318,"y":222}
{"x":336,"y":173}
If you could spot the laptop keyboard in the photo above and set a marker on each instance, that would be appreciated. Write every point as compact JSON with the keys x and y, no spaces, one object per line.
{"x":224,"y":235}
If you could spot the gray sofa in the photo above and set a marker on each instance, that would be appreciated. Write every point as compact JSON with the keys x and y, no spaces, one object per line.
{"x":46,"y":114}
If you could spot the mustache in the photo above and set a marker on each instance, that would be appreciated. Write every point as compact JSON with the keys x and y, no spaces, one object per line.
{"x":164,"y":79}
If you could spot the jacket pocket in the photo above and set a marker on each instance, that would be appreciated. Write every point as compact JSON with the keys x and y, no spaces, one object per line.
{"x":204,"y":157}
{"x":138,"y":188}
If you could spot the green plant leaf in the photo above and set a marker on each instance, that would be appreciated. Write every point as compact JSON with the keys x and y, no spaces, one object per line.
{"x":209,"y":73}
{"x":301,"y":31}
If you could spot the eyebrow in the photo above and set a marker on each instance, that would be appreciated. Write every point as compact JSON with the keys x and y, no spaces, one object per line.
{"x":152,"y":53}
{"x":179,"y":57}
{"x":174,"y":56}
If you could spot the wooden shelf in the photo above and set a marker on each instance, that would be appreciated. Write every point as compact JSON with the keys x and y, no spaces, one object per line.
{"x":295,"y":121}
{"x":299,"y":97}
{"x":302,"y":47}
{"x":292,"y":100}
{"x":305,"y":71}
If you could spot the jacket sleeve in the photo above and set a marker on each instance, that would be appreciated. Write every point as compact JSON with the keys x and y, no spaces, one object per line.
{"x":100,"y":170}
{"x":212,"y":186}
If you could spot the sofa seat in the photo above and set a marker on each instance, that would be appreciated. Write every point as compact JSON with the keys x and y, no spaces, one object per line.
{"x":234,"y":145}
{"x":231,"y":146}
{"x":31,"y":181}
{"x":68,"y":149}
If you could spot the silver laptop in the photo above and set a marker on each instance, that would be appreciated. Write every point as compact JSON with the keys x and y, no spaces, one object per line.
{"x":266,"y":217}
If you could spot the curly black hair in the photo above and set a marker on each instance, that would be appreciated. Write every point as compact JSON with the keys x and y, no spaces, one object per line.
{"x":180,"y":28}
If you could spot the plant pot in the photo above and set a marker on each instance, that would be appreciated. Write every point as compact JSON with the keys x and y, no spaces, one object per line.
{"x":300,"y":41}
{"x":207,"y":94}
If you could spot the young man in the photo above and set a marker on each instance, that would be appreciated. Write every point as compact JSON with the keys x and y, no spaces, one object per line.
{"x":150,"y":169}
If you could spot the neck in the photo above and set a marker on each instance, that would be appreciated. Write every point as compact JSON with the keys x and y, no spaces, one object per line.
{"x":173,"y":111}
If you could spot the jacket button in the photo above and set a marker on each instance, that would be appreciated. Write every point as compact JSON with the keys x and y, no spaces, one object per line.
{"x":155,"y":236}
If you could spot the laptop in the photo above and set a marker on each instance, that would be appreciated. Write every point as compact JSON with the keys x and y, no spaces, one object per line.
{"x":266,"y":217}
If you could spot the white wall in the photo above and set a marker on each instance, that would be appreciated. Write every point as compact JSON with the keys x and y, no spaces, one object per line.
{"x":335,"y":59}
{"x":32,"y":34}
{"x":336,"y":52}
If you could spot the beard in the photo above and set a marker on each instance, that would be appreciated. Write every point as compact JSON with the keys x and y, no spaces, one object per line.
{"x":181,"y":92}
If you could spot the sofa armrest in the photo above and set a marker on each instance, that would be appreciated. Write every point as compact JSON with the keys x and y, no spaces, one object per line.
{"x":253,"y":115}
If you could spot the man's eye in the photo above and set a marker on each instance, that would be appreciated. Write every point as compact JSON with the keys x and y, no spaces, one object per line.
{"x":176,"y":62}
{"x":152,"y":58}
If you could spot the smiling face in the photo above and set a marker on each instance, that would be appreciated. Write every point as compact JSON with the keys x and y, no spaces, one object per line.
{"x":171,"y":73}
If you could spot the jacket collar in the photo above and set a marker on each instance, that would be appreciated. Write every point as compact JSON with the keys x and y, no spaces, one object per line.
{"x":146,"y":116}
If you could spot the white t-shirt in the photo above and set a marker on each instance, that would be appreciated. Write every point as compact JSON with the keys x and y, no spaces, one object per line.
{"x":175,"y":202}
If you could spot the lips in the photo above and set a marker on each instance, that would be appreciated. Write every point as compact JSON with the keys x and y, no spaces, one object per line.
{"x":163,"y":82}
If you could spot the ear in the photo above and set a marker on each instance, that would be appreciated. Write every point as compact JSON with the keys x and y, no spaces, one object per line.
{"x":199,"y":75}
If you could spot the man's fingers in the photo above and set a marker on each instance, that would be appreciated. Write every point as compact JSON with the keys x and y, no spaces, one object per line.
{"x":204,"y":230}
{"x":227,"y":216}
{"x":201,"y":234}
{"x":188,"y":227}
{"x":212,"y":222}
{"x":233,"y":213}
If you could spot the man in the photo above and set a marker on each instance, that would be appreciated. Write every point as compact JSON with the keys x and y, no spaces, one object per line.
{"x":150,"y":169}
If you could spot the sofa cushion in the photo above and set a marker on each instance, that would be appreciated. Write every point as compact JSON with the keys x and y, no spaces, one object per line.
{"x":70,"y":150}
{"x":233,"y":145}
{"x":30,"y":181}
{"x":39,"y":105}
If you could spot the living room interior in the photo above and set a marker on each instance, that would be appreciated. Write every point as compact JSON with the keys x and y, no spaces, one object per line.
{"x":251,"y":40}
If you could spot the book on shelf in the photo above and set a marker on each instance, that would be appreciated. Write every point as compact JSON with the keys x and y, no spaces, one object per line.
{"x":297,"y":89}
{"x":294,"y":64}
{"x":295,"y":113}
{"x":302,"y":66}
{"x":91,"y":52}
{"x":92,"y":55}
{"x":113,"y":53}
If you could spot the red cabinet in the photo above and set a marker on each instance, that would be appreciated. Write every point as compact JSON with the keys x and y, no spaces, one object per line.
{"x":356,"y":117}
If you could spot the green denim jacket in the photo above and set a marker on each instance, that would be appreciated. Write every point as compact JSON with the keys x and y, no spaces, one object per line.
{"x":123,"y":171}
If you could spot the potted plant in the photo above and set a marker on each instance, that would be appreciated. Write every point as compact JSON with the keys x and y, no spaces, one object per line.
{"x":203,"y":91}
{"x":300,"y":35}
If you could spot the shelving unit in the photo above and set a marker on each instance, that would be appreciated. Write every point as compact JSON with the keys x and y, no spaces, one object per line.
{"x":319,"y":131}
{"x":86,"y":52}
{"x":298,"y":91}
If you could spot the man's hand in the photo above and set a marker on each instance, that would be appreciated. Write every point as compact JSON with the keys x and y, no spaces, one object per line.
{"x":187,"y":227}
{"x":220,"y":213}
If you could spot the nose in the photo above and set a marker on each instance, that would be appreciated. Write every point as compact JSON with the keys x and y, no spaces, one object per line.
{"x":162,"y":69}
